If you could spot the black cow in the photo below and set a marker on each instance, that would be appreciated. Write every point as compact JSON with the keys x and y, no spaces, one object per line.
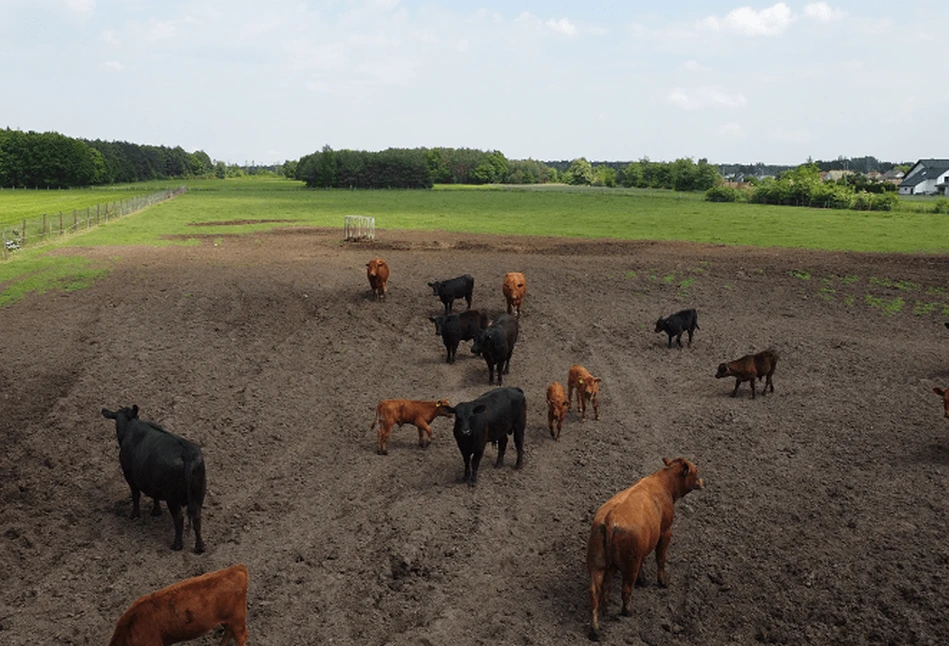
{"x":455,"y":328}
{"x":676,"y":324}
{"x":163,"y":466}
{"x":496,"y":345}
{"x":450,"y":290}
{"x":490,"y":418}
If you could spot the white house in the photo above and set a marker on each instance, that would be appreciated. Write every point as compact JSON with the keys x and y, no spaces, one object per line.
{"x":927,"y":177}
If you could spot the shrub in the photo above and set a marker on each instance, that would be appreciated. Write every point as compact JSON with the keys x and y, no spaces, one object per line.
{"x":721,"y":194}
{"x":941,"y":206}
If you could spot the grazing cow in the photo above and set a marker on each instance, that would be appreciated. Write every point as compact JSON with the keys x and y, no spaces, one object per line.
{"x":490,"y":418}
{"x":749,"y":368}
{"x":390,"y":412}
{"x":496,"y":345}
{"x":163,"y":466}
{"x":588,"y":389}
{"x":556,"y":408}
{"x":675,"y":324}
{"x":629,"y":526}
{"x":944,"y":393}
{"x":450,"y":290}
{"x":455,"y":328}
{"x":188,"y":609}
{"x":514,"y":288}
{"x":378,"y":272}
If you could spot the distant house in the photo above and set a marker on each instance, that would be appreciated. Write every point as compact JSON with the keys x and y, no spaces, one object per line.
{"x":875,"y":176}
{"x":927,"y":177}
{"x":894,"y":176}
{"x":834,"y":175}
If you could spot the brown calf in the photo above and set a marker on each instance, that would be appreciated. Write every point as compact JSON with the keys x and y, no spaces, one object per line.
{"x":629,"y":526}
{"x":588,"y":389}
{"x":514,"y":288}
{"x":944,"y":393}
{"x":407,"y":411}
{"x":378,"y":272}
{"x":188,"y":609}
{"x":749,"y":368}
{"x":556,"y":408}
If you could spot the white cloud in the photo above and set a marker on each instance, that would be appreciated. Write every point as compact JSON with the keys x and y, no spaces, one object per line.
{"x":823,"y":12}
{"x":732,"y":130}
{"x":745,"y":20}
{"x":562,"y":26}
{"x":705,"y":97}
{"x":81,"y":6}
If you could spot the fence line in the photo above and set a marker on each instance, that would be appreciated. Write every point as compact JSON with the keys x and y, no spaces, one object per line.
{"x":359,"y":227}
{"x":41,"y":230}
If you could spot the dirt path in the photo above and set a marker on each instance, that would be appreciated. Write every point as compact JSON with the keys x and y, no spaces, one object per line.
{"x":824,"y":519}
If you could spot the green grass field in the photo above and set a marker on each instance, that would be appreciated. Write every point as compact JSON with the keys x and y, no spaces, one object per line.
{"x":265,"y":203}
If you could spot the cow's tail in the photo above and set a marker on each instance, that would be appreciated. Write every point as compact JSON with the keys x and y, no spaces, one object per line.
{"x":375,"y":420}
{"x":196,"y":484}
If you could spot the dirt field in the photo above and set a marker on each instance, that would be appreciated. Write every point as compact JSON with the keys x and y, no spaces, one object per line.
{"x":824,"y":518}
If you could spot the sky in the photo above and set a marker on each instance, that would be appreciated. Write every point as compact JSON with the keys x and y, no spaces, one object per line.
{"x":252,"y":81}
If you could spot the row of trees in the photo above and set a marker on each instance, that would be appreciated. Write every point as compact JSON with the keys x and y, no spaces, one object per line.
{"x":802,"y":186}
{"x":51,"y":160}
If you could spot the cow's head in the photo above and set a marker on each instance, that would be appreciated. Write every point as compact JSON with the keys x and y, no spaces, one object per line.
{"x":374,"y":266}
{"x":590,"y":385}
{"x":944,"y":393}
{"x":439,"y":321}
{"x":435,"y":285}
{"x":479,"y":341}
{"x":443,"y":408}
{"x":661,"y":325}
{"x":559,"y":405}
{"x":122,"y":417}
{"x":686,"y":474}
{"x":464,"y":423}
{"x":722,"y":371}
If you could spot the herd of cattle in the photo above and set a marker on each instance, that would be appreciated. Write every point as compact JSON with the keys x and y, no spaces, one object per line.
{"x":628,"y":527}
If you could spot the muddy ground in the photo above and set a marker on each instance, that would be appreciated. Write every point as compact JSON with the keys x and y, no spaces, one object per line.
{"x":824,"y":517}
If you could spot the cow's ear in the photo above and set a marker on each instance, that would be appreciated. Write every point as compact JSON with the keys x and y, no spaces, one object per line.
{"x":477,"y":410}
{"x":666,"y":461}
{"x":135,"y":411}
{"x":597,"y":379}
{"x":685,"y":469}
{"x":939,"y":391}
{"x":108,"y":414}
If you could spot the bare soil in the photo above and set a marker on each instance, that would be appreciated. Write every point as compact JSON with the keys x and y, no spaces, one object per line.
{"x":824,"y":517}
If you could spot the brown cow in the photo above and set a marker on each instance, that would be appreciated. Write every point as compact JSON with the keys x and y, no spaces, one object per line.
{"x":944,"y":393}
{"x":749,"y":368}
{"x":378,"y":272}
{"x":588,"y":389}
{"x":629,"y":526}
{"x":514,"y":288}
{"x":407,"y":411}
{"x":188,"y":609}
{"x":556,"y":408}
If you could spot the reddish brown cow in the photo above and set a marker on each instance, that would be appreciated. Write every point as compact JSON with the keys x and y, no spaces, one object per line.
{"x":188,"y":609}
{"x":556,"y":408}
{"x":514,"y":288}
{"x":944,"y":393}
{"x":588,"y":389}
{"x":407,"y":411}
{"x":629,"y":526}
{"x":378,"y":272}
{"x":749,"y":368}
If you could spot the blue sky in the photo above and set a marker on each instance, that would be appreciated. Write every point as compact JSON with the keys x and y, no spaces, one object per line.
{"x":270,"y":81}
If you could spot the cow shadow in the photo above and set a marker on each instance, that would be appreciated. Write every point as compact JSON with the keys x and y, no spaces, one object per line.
{"x":936,"y":452}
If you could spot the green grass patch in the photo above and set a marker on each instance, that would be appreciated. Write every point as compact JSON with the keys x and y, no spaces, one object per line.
{"x":40,"y":274}
{"x":888,"y":306}
{"x":800,"y":274}
{"x":686,"y":283}
{"x":895,"y":284}
{"x":921,"y":308}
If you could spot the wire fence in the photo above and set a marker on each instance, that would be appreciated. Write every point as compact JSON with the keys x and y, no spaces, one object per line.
{"x":51,"y":227}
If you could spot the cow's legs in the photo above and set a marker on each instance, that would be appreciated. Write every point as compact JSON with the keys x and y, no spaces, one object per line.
{"x":737,"y":383}
{"x":597,"y":590}
{"x":179,"y":519}
{"x":629,"y":580}
{"x":136,"y":494}
{"x":467,"y":476}
{"x":679,"y":339}
{"x":768,"y":383}
{"x":582,"y":405}
{"x":423,"y":430}
{"x":753,"y":387}
{"x":196,"y":525}
{"x":662,"y":547}
{"x":502,"y":447}
{"x":690,"y":337}
{"x":156,"y":507}
{"x":475,"y":463}
{"x":596,"y":407}
{"x":507,"y":362}
{"x":236,"y":631}
{"x":382,"y":441}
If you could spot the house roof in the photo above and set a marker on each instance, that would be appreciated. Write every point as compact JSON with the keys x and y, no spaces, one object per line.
{"x":931,"y":169}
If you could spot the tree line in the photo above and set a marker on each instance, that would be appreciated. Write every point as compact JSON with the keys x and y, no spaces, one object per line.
{"x":52,"y":160}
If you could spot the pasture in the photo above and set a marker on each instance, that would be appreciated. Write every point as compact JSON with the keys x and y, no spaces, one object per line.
{"x":824,"y":515}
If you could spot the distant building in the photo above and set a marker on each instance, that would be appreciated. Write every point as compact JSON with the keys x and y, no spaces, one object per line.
{"x":894,"y":176}
{"x":834,"y":175}
{"x":927,"y":177}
